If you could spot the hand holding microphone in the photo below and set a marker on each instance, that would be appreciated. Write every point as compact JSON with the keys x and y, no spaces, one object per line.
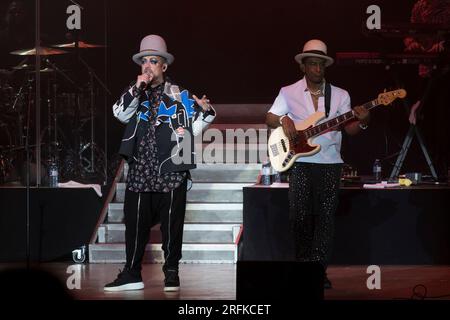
{"x":143,"y":80}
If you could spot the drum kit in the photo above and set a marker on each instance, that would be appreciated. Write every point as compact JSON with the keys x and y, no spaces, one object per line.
{"x":68,"y":110}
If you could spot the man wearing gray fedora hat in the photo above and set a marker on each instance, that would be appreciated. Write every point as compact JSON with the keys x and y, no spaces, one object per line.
{"x":161,"y":119}
{"x":314,"y":180}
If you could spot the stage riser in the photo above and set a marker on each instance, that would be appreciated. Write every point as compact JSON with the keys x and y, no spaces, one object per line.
{"x":215,"y":198}
{"x":226,"y":173}
{"x":115,"y":233}
{"x":115,"y":253}
{"x":407,"y":225}
{"x":195,"y":213}
{"x":61,"y":220}
{"x":232,"y":216}
{"x":221,"y":176}
{"x":207,"y":196}
{"x":213,"y":216}
{"x":203,"y":193}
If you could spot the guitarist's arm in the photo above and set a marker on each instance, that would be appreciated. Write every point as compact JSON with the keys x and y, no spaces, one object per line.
{"x":272,"y":120}
{"x":277,"y":116}
{"x":362,"y":116}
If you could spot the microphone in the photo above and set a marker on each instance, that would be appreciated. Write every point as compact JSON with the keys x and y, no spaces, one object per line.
{"x":141,"y":88}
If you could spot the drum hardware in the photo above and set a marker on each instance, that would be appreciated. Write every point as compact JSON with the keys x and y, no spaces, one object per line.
{"x":87,"y":157}
{"x":94,"y":149}
{"x":42,"y":51}
{"x":78,"y":44}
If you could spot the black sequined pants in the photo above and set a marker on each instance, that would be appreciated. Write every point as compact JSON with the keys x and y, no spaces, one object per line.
{"x":313,"y":199}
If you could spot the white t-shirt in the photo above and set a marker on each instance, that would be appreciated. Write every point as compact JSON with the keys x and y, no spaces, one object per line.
{"x":296,"y":101}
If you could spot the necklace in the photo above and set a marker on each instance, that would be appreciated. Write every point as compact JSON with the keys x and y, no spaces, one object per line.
{"x":316,"y":93}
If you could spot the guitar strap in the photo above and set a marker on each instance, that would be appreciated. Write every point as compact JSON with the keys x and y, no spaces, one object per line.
{"x":327,"y":98}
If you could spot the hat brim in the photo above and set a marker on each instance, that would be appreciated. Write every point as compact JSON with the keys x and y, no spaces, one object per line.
{"x":328,"y":60}
{"x":137,"y":57}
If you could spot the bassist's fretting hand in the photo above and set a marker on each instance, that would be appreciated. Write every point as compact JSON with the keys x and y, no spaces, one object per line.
{"x":362,"y":114}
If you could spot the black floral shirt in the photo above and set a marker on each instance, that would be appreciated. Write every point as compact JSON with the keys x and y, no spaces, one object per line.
{"x":143,"y":175}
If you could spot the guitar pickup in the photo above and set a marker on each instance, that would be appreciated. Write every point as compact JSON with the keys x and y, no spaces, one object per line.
{"x":283,"y":144}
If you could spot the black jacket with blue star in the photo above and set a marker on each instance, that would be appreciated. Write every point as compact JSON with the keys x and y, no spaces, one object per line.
{"x":176,"y":109}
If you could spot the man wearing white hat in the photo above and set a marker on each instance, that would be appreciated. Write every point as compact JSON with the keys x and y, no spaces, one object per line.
{"x":161,"y":119}
{"x":314,"y":180}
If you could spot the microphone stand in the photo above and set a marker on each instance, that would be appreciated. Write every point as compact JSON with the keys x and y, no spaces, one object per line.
{"x":102,"y":84}
{"x":61,"y":73}
{"x":27,"y":151}
{"x":92,"y":76}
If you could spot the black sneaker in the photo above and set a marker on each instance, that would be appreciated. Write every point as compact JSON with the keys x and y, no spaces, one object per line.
{"x":171,"y":281}
{"x":125,"y":281}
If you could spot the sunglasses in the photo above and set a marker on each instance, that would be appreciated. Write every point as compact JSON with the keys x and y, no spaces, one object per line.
{"x":153,"y":61}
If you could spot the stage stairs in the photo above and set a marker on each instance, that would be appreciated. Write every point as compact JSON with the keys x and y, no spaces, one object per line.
{"x":213,"y":223}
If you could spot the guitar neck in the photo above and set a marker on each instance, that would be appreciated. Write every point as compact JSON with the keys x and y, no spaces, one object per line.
{"x":335,"y":122}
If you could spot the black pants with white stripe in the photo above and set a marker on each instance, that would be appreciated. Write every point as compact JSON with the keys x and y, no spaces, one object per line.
{"x":144,"y":210}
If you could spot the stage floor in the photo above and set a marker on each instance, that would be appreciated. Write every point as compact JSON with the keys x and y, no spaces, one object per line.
{"x":218,"y":282}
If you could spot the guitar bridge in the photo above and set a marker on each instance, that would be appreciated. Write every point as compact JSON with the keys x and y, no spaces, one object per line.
{"x":274,"y":150}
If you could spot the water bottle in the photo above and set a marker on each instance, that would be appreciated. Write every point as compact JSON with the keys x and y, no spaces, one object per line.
{"x":265,"y":175}
{"x":276,"y":176}
{"x":53,"y":174}
{"x":377,"y":170}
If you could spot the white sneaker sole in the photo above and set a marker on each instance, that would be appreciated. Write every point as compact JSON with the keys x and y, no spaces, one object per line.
{"x":171,"y":289}
{"x":126,"y":287}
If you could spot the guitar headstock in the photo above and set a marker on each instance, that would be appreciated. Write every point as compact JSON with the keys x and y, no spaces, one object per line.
{"x":386,"y":98}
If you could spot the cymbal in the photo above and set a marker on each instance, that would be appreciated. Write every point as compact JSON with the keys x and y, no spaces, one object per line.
{"x":31,"y":68}
{"x":81,"y":44}
{"x":45,"y":70}
{"x":43,"y":51}
{"x":24,"y":66}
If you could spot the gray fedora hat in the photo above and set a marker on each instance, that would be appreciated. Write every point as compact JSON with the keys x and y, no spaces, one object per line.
{"x":314,"y":48}
{"x":153,"y":45}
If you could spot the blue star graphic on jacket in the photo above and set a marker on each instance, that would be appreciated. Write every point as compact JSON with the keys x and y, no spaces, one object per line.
{"x":145,"y":115}
{"x":164,"y":112}
{"x":188,"y":104}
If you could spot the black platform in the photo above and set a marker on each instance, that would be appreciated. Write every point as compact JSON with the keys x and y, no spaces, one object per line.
{"x":373,"y":226}
{"x":61,"y":220}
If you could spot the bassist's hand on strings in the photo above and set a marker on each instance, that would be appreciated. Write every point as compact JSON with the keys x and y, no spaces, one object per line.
{"x":289,"y":128}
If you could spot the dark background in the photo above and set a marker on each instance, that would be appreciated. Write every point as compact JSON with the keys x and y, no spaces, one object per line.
{"x":243,"y":52}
